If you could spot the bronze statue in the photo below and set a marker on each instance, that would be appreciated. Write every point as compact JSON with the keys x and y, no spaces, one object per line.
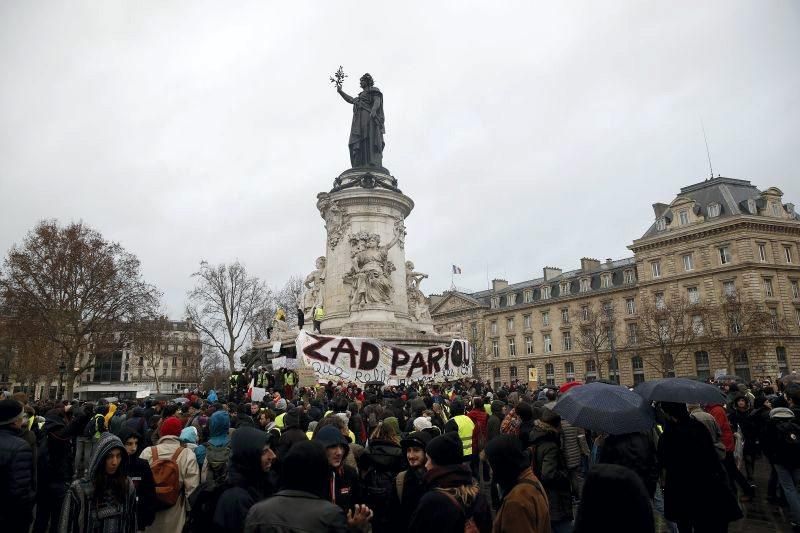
{"x":366,"y":132}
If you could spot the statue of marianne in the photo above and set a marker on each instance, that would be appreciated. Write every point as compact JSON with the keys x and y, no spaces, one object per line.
{"x":366,"y":133}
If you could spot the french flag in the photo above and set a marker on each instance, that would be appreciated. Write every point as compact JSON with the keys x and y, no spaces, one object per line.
{"x":456,"y":269}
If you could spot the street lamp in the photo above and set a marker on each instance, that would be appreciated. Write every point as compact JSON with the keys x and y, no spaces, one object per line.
{"x":61,"y":369}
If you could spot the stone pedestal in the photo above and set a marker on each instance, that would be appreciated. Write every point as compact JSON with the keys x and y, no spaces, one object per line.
{"x":365,"y":286}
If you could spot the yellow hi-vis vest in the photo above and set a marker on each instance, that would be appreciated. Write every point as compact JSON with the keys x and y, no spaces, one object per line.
{"x":488,"y":408}
{"x":465,"y":428}
{"x":279,"y":421}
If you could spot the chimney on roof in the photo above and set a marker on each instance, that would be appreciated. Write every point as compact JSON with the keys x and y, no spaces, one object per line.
{"x":588,"y":264}
{"x":499,"y":284}
{"x":551,"y":272}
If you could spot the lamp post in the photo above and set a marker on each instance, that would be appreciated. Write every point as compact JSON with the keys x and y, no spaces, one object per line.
{"x":61,"y":369}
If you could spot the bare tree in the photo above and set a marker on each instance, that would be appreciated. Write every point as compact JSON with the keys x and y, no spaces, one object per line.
{"x":224,"y":306}
{"x":71,"y":288}
{"x":213,"y":374}
{"x":288,"y":298}
{"x":735,"y":327}
{"x":596,"y":330}
{"x":666,"y":333}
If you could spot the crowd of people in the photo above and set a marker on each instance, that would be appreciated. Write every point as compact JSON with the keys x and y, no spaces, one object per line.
{"x":451,"y":457}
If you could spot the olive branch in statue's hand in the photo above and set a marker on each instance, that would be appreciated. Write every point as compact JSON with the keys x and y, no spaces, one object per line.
{"x":338,"y":77}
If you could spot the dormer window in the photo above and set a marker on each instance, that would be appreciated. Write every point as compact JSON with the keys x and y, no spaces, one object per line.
{"x":629,"y":277}
{"x":661,"y":224}
{"x":511,"y":299}
{"x":527,"y":296}
{"x":605,"y":281}
{"x":713,"y":210}
{"x":564,"y":288}
{"x":495,"y":302}
{"x":684,"y":217}
{"x":751,"y":206}
{"x":546,"y":292}
{"x":586,"y":284}
{"x":776,"y":209}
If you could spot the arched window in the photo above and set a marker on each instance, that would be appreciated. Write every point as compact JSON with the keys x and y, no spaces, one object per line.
{"x":569,"y":370}
{"x":591,"y":371}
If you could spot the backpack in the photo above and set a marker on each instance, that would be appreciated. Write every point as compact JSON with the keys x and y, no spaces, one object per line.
{"x":203,"y":505}
{"x":787,"y":444}
{"x":400,"y":484}
{"x":511,"y":423}
{"x":469,"y":520}
{"x":166,"y":475}
{"x":378,"y":485}
{"x":217,"y":460}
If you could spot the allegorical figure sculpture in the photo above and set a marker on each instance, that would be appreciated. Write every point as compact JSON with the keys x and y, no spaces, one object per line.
{"x":366,"y":133}
{"x":417,"y":303}
{"x":313,"y":283}
{"x":371,"y":270}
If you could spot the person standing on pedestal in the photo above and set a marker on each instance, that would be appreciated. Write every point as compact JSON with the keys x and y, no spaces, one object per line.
{"x":319,"y":316}
{"x":366,"y":133}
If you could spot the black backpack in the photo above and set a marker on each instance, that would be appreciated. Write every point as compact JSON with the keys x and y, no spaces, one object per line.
{"x":787,"y":444}
{"x":203,"y":504}
{"x":378,"y":486}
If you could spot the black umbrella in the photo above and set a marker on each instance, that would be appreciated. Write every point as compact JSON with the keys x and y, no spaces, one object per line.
{"x":679,"y":390}
{"x":605,"y":408}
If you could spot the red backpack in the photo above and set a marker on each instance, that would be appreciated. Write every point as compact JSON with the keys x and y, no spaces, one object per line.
{"x":167,"y":477}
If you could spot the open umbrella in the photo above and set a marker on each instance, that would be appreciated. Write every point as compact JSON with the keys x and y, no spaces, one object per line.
{"x":568,"y":385}
{"x":605,"y":408}
{"x":679,"y":390}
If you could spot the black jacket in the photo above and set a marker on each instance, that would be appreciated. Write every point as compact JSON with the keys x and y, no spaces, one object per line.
{"x":402,"y":505}
{"x":16,"y":481}
{"x":636,"y":451}
{"x":294,"y":510}
{"x":438,"y":512}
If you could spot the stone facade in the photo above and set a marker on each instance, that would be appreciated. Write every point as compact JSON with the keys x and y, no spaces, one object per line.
{"x":716,"y":236}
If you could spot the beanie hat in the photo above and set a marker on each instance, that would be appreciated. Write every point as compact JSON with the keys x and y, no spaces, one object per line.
{"x":445,"y":450}
{"x":392,"y":421}
{"x":421,"y":423}
{"x":171,"y":426}
{"x":10,"y":410}
{"x":781,"y":412}
{"x":330,"y":436}
{"x":416,"y":439}
{"x":291,"y":418}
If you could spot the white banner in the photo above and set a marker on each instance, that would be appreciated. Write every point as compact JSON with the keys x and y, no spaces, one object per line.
{"x":362,"y":360}
{"x":284,"y":362}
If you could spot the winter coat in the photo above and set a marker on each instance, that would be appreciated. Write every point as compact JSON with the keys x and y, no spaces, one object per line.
{"x":79,"y":512}
{"x":525,"y":509}
{"x":696,"y":488}
{"x":344,"y":487}
{"x":173,"y":518}
{"x":249,"y":484}
{"x":16,"y":481}
{"x":748,"y":426}
{"x":295,"y":510}
{"x":549,"y":467}
{"x":403,"y":504}
{"x":480,"y":435}
{"x":573,"y":444}
{"x":719,"y":414}
{"x":636,"y":451}
{"x":289,"y":437}
{"x":438,"y":512}
{"x":379,"y":464}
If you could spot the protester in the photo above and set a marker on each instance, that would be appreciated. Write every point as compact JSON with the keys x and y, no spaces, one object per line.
{"x":301,"y":505}
{"x":697,"y":495}
{"x":105,"y":500}
{"x":524,"y":506}
{"x":734,"y":474}
{"x":16,"y":470}
{"x":453,"y":498}
{"x":781,"y":443}
{"x":409,"y":485}
{"x":171,"y":516}
{"x":636,"y":451}
{"x":550,"y":468}
{"x":142,"y":477}
{"x":217,"y":450}
{"x":344,"y":486}
{"x":249,"y":478}
{"x":614,"y":499}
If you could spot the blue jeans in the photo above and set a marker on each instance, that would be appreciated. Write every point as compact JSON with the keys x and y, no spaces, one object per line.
{"x":788,"y":479}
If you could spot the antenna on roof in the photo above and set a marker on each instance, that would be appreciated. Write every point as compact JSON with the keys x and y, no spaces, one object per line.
{"x":708,"y":152}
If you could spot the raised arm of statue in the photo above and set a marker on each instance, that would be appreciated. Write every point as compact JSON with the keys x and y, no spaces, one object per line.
{"x":347,"y":98}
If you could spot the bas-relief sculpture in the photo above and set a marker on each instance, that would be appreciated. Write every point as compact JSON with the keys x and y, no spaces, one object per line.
{"x":417,"y":303}
{"x":314,"y":282}
{"x":369,"y":276}
{"x":337,"y":221}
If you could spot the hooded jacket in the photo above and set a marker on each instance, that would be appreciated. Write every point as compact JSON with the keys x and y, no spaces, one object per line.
{"x":248,"y":483}
{"x":344,"y":485}
{"x":495,"y":419}
{"x":79,"y":513}
{"x":549,"y":467}
{"x":636,"y":451}
{"x":438,"y":512}
{"x":142,"y":477}
{"x":16,"y":480}
{"x":218,"y":427}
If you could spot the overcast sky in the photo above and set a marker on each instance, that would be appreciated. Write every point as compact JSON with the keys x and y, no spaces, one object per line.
{"x":530,"y":134}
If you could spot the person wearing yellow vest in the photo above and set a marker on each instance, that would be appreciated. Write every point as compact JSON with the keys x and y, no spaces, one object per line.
{"x":463,"y":425}
{"x":319,"y":316}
